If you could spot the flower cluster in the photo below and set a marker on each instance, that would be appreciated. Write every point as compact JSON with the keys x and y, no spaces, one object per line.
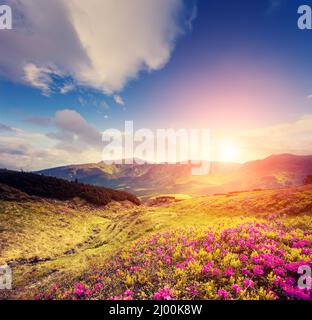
{"x":249,"y":261}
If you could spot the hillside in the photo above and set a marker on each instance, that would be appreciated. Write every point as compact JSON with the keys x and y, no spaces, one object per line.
{"x":150,"y":179}
{"x":65,"y":242}
{"x":54,"y":188}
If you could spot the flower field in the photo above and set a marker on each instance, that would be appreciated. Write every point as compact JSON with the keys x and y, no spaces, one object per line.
{"x":250,"y":261}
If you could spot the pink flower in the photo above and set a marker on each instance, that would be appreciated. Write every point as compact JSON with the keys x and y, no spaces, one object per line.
{"x":248,"y":283}
{"x":53,"y":287}
{"x":135,"y":268}
{"x":297,"y":293}
{"x":163,"y":294}
{"x":216,"y":272}
{"x":279,"y":271}
{"x":236,"y":288}
{"x":192,"y":290}
{"x":79,"y":289}
{"x":129,"y":293}
{"x":167,"y":260}
{"x":307,"y":251}
{"x":258,"y":270}
{"x":243,"y":257}
{"x":223,"y":294}
{"x":88,"y":292}
{"x":301,"y":244}
{"x":207,"y":267}
{"x":182,"y":265}
{"x":99,"y":286}
{"x":229,"y":272}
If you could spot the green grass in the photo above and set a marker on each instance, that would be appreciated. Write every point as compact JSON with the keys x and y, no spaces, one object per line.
{"x":70,"y":237}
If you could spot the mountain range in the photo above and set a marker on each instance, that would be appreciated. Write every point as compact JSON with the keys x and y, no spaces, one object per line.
{"x":276,"y":171}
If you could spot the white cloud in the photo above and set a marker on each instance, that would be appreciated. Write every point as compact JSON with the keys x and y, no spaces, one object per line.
{"x":67,"y":87}
{"x":293,"y":137}
{"x":309,"y":97}
{"x":119,"y":100}
{"x":73,"y":141}
{"x":101,"y":44}
{"x":74,"y":131}
{"x":38,"y":77}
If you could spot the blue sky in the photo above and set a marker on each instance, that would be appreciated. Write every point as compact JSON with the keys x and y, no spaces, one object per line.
{"x":241,"y":68}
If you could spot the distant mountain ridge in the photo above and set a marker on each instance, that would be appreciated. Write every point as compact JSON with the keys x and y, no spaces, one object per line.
{"x":275,"y":171}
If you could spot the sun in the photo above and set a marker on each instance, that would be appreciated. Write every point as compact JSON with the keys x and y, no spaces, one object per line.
{"x":228,"y":151}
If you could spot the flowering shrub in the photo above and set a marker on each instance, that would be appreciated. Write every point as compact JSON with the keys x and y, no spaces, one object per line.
{"x":249,"y":261}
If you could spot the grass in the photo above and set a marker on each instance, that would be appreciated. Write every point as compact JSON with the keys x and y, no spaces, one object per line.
{"x":52,"y":241}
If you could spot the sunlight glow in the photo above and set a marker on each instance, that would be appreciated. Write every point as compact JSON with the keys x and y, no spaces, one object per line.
{"x":228,"y":152}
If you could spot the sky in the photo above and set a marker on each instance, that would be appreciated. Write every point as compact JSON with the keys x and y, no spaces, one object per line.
{"x":71,"y":69}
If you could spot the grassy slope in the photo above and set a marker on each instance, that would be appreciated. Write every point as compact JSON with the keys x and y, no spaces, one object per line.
{"x":75,"y":236}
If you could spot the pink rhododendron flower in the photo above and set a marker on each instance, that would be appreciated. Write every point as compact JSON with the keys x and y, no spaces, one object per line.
{"x":307,"y":251}
{"x":167,"y":260}
{"x":216,"y":272}
{"x":207,"y":267}
{"x":129,"y":293}
{"x":79,"y":289}
{"x":67,"y":294}
{"x":236,"y":288}
{"x":248,"y":283}
{"x":279,"y":271}
{"x":53,"y":287}
{"x":163,"y":294}
{"x":301,"y":244}
{"x":99,"y":286}
{"x":258,"y":270}
{"x":229,"y":272}
{"x":223,"y":294}
{"x":192,"y":290}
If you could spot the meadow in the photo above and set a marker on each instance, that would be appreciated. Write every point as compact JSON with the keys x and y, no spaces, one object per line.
{"x":245,"y":245}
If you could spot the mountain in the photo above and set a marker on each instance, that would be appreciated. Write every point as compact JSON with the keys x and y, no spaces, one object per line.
{"x":14,"y":183}
{"x":275,"y":171}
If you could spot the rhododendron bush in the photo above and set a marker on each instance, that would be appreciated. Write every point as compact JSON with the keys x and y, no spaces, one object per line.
{"x":249,"y":261}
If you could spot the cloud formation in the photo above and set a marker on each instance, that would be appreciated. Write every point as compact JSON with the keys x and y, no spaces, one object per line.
{"x":4,"y":127}
{"x":74,"y":132}
{"x":74,"y":140}
{"x":293,"y":137}
{"x":119,"y":100}
{"x":101,"y":44}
